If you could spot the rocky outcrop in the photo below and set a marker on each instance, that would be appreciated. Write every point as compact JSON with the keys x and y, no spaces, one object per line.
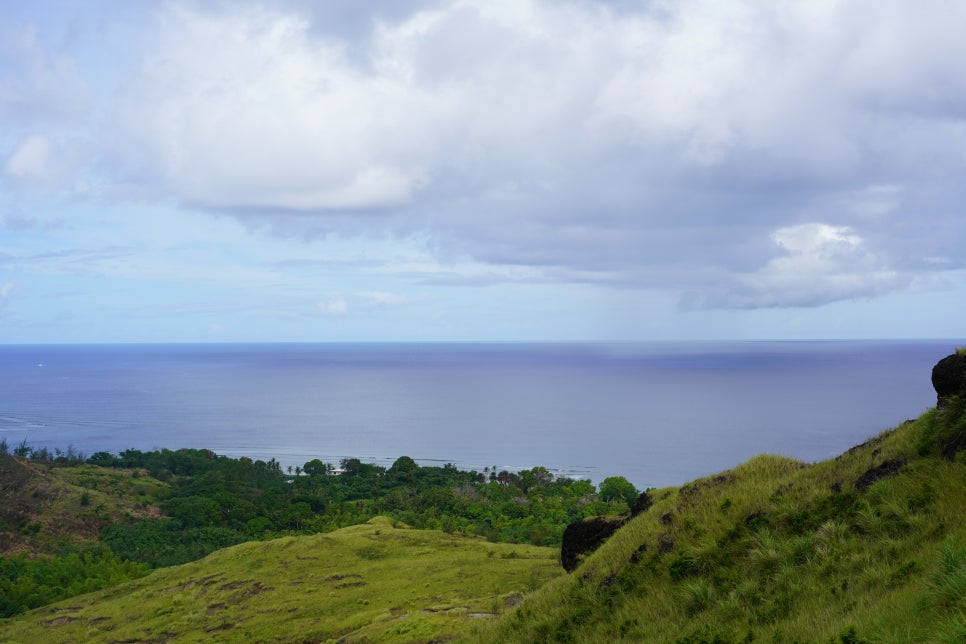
{"x":643,"y":502}
{"x":885,"y":469}
{"x":949,"y":377}
{"x":586,"y":536}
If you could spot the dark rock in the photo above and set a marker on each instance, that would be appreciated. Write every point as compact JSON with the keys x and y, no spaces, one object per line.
{"x":639,"y":553}
{"x":885,"y":469}
{"x":756,"y":518}
{"x":693,"y":488}
{"x":665,"y":543}
{"x":872,"y":442}
{"x":586,"y":536}
{"x":949,"y":377}
{"x":643,"y":502}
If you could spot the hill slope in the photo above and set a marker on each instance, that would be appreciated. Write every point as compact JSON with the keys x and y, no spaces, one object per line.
{"x":867,"y":547}
{"x":374,"y":582}
{"x":44,"y":509}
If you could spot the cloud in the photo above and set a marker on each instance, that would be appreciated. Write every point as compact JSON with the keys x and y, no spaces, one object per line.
{"x":7,"y":290}
{"x":31,"y":161}
{"x":382,"y":298}
{"x":818,"y":263}
{"x":335,"y":307}
{"x":19,"y":224}
{"x":748,"y":154}
{"x":244,"y":110}
{"x":37,"y":84}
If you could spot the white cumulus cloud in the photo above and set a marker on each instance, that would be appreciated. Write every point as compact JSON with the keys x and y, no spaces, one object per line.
{"x":817,"y":263}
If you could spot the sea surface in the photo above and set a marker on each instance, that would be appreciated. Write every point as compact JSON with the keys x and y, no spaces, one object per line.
{"x":658,"y":414}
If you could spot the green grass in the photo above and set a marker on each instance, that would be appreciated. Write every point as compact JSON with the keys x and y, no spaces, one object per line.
{"x":371,"y":582}
{"x":867,"y":547}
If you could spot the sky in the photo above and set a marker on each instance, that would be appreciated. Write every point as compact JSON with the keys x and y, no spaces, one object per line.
{"x":481,"y":170}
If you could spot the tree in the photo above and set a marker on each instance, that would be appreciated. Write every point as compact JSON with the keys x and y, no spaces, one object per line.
{"x":296,"y":515}
{"x":315,"y":467}
{"x":350,"y":466}
{"x":404,"y":469}
{"x":617,"y":488}
{"x":104,"y":459}
{"x":537,"y":477}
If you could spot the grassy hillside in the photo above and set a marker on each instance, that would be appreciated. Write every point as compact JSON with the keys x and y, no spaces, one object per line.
{"x":374,"y":582}
{"x":867,"y":547}
{"x":47,"y":509}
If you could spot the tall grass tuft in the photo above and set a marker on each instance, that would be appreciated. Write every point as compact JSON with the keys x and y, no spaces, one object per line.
{"x":765,"y":555}
{"x":697,"y":595}
{"x":946,"y":586}
{"x":952,"y":631}
{"x":944,"y":596}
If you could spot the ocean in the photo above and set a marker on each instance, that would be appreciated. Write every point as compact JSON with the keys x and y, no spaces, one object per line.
{"x":658,"y":414}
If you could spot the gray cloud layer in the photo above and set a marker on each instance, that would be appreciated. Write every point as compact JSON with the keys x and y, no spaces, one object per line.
{"x":743,"y":154}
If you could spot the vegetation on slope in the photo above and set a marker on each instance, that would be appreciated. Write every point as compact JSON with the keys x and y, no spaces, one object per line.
{"x":374,"y":582}
{"x":867,"y":547}
{"x":51,"y":513}
{"x":48,"y":507}
{"x":163,"y":508}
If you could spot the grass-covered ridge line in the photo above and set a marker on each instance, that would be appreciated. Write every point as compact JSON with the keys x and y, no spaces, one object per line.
{"x":867,"y":547}
{"x":379,"y":581}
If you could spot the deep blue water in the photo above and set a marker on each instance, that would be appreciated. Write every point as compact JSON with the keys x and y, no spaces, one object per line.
{"x":658,"y":414}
